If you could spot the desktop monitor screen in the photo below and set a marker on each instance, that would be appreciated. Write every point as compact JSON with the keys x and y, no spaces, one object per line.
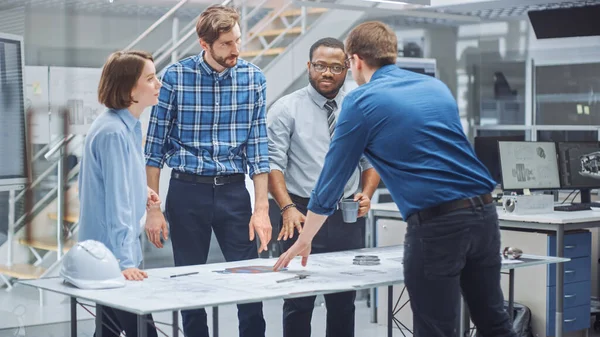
{"x":486,"y":150}
{"x":528,"y":165}
{"x":579,"y":164}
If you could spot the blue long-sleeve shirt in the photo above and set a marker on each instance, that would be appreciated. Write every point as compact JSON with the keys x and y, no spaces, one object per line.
{"x":407,"y":125}
{"x":112,"y":186}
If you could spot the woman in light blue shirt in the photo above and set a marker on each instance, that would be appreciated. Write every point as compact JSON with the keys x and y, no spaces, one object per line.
{"x":112,"y":180}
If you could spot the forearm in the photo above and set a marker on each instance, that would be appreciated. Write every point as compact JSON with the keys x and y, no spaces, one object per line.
{"x":261,"y":189}
{"x":312,"y":225}
{"x":370,"y":181}
{"x":278,"y":189}
{"x":153,"y":177}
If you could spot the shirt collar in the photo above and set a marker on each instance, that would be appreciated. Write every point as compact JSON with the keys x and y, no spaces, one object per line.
{"x":207,"y":69}
{"x":319,"y":99}
{"x":127,"y":118}
{"x":383,"y":70}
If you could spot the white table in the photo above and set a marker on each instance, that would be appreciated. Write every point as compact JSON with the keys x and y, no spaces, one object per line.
{"x":328,"y":273}
{"x":558,"y":222}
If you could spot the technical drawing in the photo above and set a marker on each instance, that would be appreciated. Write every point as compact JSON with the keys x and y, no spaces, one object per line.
{"x":590,"y":165}
{"x":541,"y":153}
{"x":522,"y":173}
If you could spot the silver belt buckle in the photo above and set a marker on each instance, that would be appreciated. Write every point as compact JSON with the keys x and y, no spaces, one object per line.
{"x":216,"y":181}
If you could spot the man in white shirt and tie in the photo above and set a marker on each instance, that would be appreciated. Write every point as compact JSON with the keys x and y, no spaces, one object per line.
{"x":300,"y":127}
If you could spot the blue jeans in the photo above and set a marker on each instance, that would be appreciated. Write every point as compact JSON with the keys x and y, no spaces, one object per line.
{"x":456,"y":251}
{"x":334,"y":236}
{"x":193,"y":211}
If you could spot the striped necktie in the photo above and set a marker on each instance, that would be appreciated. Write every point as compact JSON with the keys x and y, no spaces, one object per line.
{"x":330,"y":106}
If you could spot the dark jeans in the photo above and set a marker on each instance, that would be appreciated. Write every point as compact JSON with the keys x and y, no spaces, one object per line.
{"x":334,"y":236}
{"x":114,"y":321}
{"x":453,"y":252}
{"x":193,"y":211}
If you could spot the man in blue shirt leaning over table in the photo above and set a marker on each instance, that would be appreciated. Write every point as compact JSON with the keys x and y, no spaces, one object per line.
{"x":209,"y":125}
{"x":408,"y":127}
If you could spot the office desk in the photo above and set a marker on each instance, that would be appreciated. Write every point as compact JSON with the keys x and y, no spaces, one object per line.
{"x":557,"y":222}
{"x":245,"y":282}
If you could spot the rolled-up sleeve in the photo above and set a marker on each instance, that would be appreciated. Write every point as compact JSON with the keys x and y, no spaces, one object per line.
{"x":161,"y":121}
{"x":364,"y":164}
{"x":111,"y":150}
{"x":258,"y":148}
{"x":279,"y":124}
{"x":347,"y":146}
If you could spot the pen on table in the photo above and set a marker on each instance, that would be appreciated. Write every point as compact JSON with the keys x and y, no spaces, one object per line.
{"x":297,"y":277}
{"x":186,"y":274}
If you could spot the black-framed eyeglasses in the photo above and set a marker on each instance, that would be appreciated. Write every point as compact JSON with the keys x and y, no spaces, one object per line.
{"x":335,"y":69}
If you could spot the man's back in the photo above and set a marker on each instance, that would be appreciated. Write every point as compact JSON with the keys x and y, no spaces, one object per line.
{"x":416,"y":141}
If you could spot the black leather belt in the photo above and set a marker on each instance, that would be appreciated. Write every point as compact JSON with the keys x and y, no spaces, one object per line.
{"x":213,"y":180}
{"x":435,"y":211}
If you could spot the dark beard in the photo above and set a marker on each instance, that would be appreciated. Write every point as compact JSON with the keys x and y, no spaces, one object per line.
{"x":220,"y":60}
{"x":329,"y":94}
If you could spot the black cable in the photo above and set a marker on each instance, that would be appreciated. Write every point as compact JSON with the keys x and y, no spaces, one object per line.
{"x":567,"y":198}
{"x":575,"y":196}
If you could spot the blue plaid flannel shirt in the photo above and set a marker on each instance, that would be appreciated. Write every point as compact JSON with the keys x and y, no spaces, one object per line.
{"x":210,"y":123}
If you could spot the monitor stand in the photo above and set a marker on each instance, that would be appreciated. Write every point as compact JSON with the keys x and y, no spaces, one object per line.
{"x":586,"y":196}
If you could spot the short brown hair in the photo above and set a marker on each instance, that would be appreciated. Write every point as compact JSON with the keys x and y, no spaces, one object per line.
{"x":215,"y":20}
{"x":374,"y":42}
{"x":119,"y":76}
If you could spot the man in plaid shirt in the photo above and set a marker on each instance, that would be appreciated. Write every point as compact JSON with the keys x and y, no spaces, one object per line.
{"x":209,"y":125}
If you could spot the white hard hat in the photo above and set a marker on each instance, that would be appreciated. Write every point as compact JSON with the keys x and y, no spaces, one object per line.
{"x":90,"y":265}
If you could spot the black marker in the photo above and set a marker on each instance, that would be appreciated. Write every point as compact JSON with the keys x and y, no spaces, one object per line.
{"x":186,"y":274}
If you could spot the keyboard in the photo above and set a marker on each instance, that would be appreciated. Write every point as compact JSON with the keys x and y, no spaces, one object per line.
{"x":577,"y":207}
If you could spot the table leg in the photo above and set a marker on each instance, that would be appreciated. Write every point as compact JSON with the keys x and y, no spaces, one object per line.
{"x":390,"y":309}
{"x":373,"y":291}
{"x":175,"y":323}
{"x":73,"y":317}
{"x":560,"y":272}
{"x":142,"y":326}
{"x":465,"y":319}
{"x":511,"y":295}
{"x":215,"y":321}
{"x":99,"y":314}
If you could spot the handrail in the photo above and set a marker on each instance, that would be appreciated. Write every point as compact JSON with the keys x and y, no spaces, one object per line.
{"x":40,"y":152}
{"x":58,"y":146}
{"x":277,"y":39}
{"x":74,"y":171}
{"x":164,"y":47}
{"x":168,"y":52}
{"x":157,"y":23}
{"x":267,"y":23}
{"x":38,"y":180}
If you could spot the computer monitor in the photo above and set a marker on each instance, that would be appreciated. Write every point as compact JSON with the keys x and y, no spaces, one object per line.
{"x":528,"y":165}
{"x":579,"y":166}
{"x":486,"y":150}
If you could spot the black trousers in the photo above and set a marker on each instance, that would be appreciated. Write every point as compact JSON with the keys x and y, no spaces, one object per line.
{"x":334,"y":236}
{"x":194,"y":210}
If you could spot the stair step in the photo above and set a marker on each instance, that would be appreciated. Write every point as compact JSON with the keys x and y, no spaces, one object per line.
{"x":268,"y":52}
{"x":277,"y":32}
{"x":22,"y":271}
{"x":298,"y":11}
{"x":73,"y":218}
{"x":46,"y":244}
